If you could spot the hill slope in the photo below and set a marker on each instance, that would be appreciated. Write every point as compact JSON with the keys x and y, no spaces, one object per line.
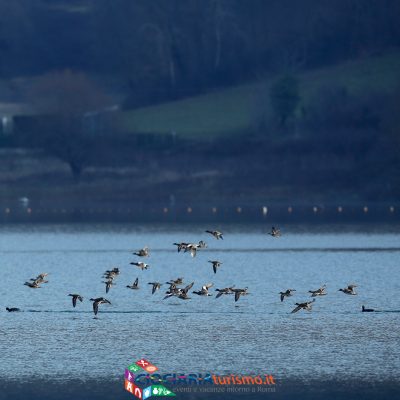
{"x":234,"y":110}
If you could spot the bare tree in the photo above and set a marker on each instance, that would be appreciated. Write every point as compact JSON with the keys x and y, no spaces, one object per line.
{"x":62,"y":99}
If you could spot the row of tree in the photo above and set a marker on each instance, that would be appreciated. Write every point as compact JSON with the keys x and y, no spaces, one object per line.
{"x":162,"y":49}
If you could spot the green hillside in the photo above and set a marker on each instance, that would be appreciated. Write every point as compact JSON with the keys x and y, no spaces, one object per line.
{"x":235,"y":109}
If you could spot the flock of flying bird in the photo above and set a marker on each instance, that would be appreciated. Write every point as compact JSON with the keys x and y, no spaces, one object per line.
{"x":182,"y":292}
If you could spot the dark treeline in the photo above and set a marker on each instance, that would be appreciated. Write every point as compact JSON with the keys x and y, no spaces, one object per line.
{"x":164,"y":49}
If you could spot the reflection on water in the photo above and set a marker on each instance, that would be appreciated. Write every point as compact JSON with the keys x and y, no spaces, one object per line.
{"x":255,"y":335}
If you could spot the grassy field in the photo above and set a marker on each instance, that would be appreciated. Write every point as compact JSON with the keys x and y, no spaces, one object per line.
{"x":235,"y":110}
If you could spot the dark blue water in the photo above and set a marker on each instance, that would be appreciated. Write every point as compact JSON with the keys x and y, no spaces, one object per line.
{"x":258,"y":334}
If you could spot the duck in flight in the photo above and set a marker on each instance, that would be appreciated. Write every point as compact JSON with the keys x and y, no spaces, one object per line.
{"x":349,"y":290}
{"x":156,"y":286}
{"x":217,"y":234}
{"x":75,"y":297}
{"x":111,"y":274}
{"x":33,"y":285}
{"x":215,"y":265}
{"x":227,"y":290}
{"x":135,"y":285}
{"x":97,"y":302}
{"x":239,"y":292}
{"x":181,"y":246}
{"x":177,"y":281}
{"x":204,"y":290}
{"x":275,"y":232}
{"x":192,"y":247}
{"x":109,"y":283}
{"x":319,"y":292}
{"x":178,"y":292}
{"x":305,"y":306}
{"x":141,"y":265}
{"x":287,"y":293}
{"x":145,"y":252}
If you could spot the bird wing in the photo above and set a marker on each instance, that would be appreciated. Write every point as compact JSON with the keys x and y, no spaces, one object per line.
{"x":80,"y":298}
{"x":136,"y":282}
{"x":188,"y":287}
{"x":219,"y":295}
{"x":95,"y":307}
{"x":282,"y":296}
{"x":154,"y":289}
{"x":215,"y":268}
{"x":296,"y":309}
{"x":74,"y":301}
{"x":237,"y":295}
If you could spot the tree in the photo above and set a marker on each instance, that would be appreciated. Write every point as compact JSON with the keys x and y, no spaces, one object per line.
{"x":62,"y":100}
{"x":284,"y":96}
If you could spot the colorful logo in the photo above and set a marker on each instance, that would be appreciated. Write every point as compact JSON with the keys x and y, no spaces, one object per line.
{"x":152,"y":390}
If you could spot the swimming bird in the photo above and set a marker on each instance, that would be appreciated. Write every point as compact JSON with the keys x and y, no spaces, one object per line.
{"x":287,"y":293}
{"x":239,"y":292}
{"x":143,"y":252}
{"x":156,"y":286}
{"x":215,"y":265}
{"x":135,"y":285}
{"x":96,"y":302}
{"x":227,"y":290}
{"x":204,"y":290}
{"x":349,"y":290}
{"x":319,"y":292}
{"x":275,"y":232}
{"x":75,"y":297}
{"x":305,"y":306}
{"x":141,"y":265}
{"x":217,"y":234}
{"x":12,"y":309}
{"x":367,"y":309}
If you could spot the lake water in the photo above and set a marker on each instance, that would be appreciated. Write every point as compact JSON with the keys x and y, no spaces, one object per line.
{"x":256,"y":335}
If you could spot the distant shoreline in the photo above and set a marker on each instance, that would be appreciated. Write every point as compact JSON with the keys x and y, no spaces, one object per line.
{"x":202,"y":213}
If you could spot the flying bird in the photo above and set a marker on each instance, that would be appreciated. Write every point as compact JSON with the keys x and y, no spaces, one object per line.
{"x":135,"y":285}
{"x":215,"y":265}
{"x":156,"y":286}
{"x":204,"y":290}
{"x":349,"y":290}
{"x":141,"y":265}
{"x":75,"y":297}
{"x":145,"y":252}
{"x":287,"y":293}
{"x":319,"y":292}
{"x":275,"y":232}
{"x":305,"y":306}
{"x":217,"y":234}
{"x":97,"y":302}
{"x":239,"y":292}
{"x":223,"y":291}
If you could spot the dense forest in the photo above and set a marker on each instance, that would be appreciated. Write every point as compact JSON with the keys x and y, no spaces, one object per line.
{"x":164,"y":49}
